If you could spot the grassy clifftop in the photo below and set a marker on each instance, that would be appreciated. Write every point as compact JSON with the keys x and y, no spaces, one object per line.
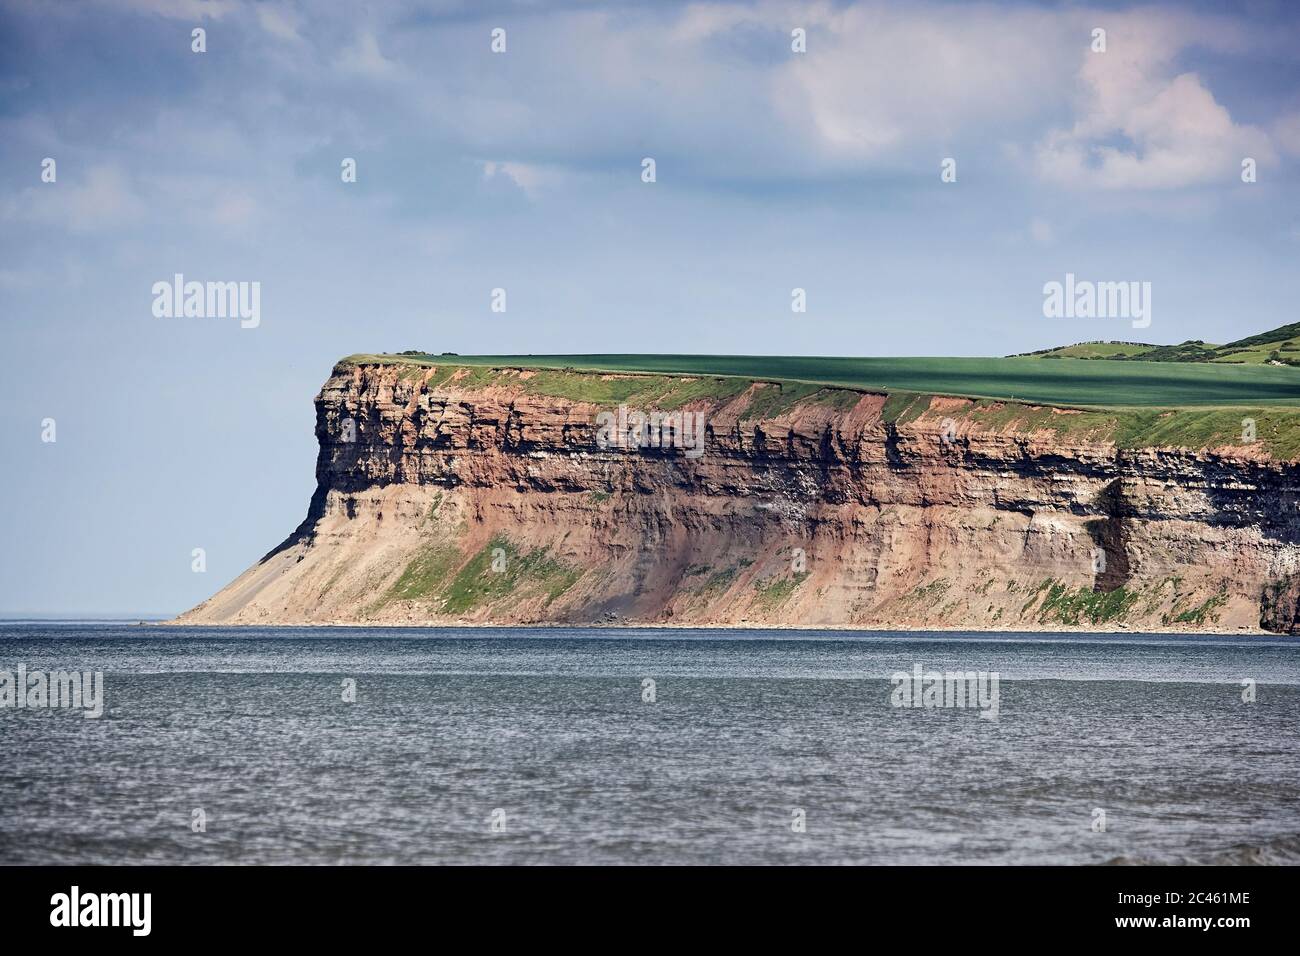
{"x":1075,"y":382}
{"x":669,"y":382}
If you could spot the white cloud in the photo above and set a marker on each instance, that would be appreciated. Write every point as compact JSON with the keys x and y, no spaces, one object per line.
{"x":877,"y":79}
{"x":716,"y":88}
{"x":1139,"y":123}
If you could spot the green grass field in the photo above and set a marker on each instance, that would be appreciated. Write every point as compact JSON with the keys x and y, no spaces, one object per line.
{"x":1077,"y":382}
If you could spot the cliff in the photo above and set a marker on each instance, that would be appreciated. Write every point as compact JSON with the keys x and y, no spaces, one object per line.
{"x":452,"y":493}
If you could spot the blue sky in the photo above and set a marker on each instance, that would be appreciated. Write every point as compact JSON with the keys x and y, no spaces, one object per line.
{"x":522,"y":170}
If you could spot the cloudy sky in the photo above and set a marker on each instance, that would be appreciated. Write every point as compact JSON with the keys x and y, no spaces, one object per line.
{"x":522,"y":170}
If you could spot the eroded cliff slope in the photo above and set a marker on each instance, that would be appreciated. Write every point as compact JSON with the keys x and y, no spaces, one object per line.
{"x":489,"y":495}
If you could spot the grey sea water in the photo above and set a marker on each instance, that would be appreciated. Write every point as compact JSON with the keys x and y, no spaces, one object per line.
{"x":549,"y":727}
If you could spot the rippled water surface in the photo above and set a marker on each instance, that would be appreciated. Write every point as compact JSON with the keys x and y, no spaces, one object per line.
{"x":549,"y":727}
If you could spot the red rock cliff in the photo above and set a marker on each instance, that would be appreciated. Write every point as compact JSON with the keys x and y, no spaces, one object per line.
{"x":473,"y":495}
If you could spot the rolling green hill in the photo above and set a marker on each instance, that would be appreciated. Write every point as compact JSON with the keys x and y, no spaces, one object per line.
{"x":1093,"y":350}
{"x":1280,"y":346}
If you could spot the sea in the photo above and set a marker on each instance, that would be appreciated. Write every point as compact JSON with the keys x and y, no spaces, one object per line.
{"x":353,"y":745}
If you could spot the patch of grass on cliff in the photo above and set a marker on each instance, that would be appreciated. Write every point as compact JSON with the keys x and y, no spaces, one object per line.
{"x":1034,"y":594}
{"x":425,"y":575}
{"x":682,"y":392}
{"x":840,"y":399}
{"x":593,"y":389}
{"x":440,"y":376}
{"x":904,"y":407}
{"x":525,"y":574}
{"x":718,"y":581}
{"x":774,"y":592}
{"x":773,"y":399}
{"x":770,"y":399}
{"x":929,"y":593}
{"x":1069,"y":606}
{"x":1200,"y":615}
{"x":1010,"y":416}
{"x":1278,"y":430}
{"x":647,"y":392}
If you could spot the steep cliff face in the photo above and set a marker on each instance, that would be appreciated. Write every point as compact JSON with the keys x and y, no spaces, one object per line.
{"x":454,"y":494}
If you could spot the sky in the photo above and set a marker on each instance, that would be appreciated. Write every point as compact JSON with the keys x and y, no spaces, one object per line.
{"x":774,"y":169}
